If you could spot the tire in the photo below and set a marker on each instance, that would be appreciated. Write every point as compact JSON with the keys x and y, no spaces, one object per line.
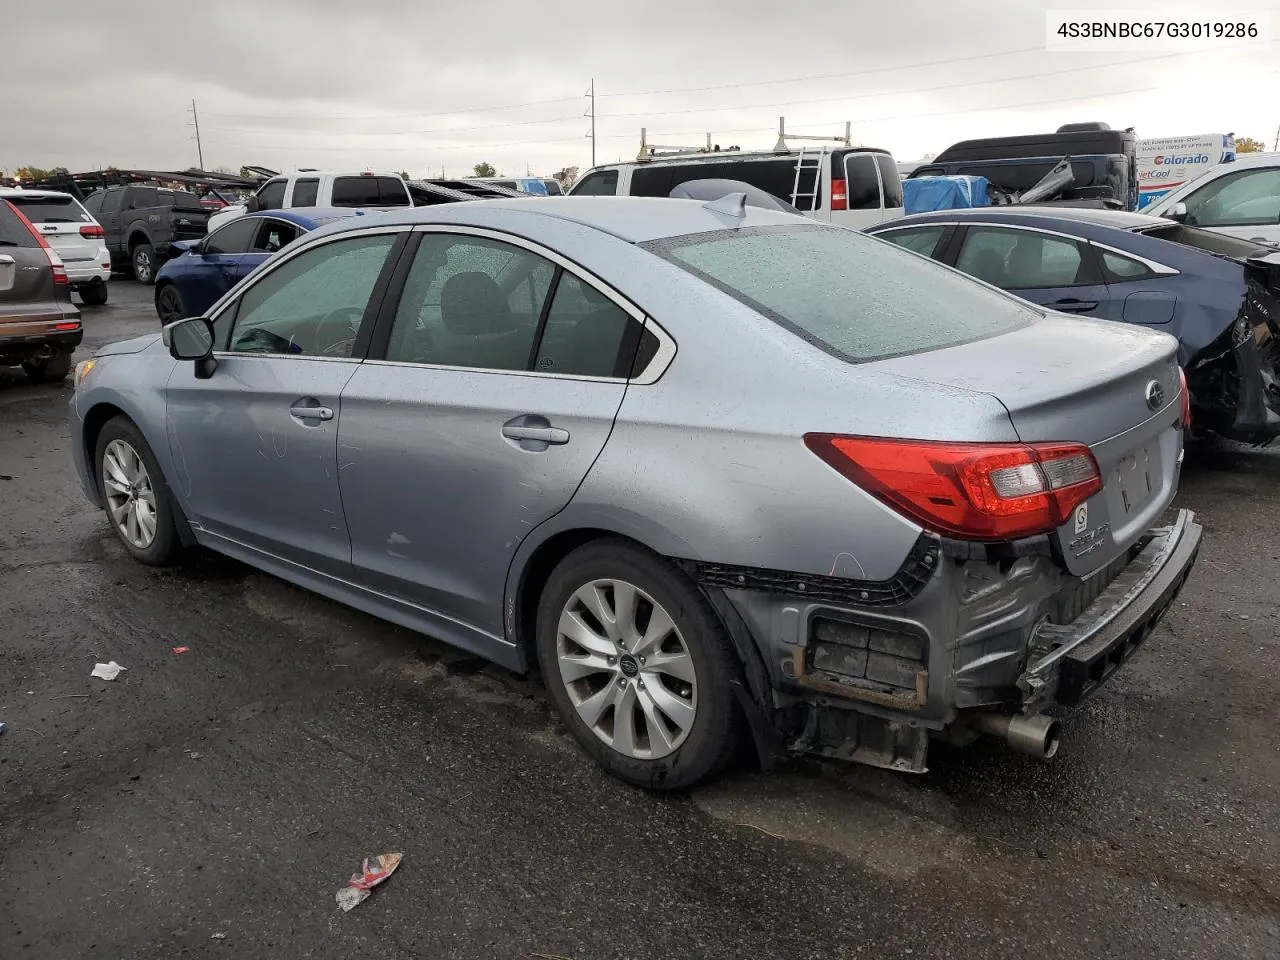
{"x":143,"y":258}
{"x":169,"y":305}
{"x":94,"y":294}
{"x":120,"y":450}
{"x":683,"y":751}
{"x":52,"y":370}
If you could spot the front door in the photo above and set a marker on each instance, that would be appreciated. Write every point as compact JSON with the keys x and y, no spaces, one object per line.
{"x":502,"y":376}
{"x":256,"y":444}
{"x":210,"y":270}
{"x":1057,"y":272}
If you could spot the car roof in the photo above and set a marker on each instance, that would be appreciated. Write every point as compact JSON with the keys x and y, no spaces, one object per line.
{"x":1115,"y":219}
{"x":633,"y":219}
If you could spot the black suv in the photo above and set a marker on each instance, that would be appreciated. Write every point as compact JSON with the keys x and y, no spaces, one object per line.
{"x":140,"y":222}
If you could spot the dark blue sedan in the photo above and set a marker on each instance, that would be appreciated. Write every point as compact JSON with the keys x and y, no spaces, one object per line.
{"x":199,"y":272}
{"x":1219,"y":295}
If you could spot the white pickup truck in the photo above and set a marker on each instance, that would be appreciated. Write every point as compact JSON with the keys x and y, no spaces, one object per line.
{"x":314,"y":188}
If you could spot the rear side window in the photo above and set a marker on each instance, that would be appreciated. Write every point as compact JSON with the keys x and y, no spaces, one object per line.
{"x":652,"y":181}
{"x":844,"y":292}
{"x":601,"y":184}
{"x":355,"y":192}
{"x":50,"y":209}
{"x":144,"y":197}
{"x":891,"y":180}
{"x":1119,"y":267}
{"x":305,"y":192}
{"x":585,"y":333}
{"x":13,"y":232}
{"x":862,"y":182}
{"x":921,"y":240}
{"x":392,"y":193}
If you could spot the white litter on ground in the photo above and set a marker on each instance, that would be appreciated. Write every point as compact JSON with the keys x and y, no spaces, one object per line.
{"x":107,"y":671}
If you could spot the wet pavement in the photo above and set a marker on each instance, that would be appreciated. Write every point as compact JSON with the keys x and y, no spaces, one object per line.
{"x":211,"y":803}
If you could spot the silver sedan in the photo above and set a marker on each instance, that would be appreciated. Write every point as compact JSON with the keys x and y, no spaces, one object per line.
{"x":715,"y":470}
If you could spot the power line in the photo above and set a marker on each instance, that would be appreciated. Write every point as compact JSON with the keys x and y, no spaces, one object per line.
{"x":411,"y":133}
{"x":395,"y":116}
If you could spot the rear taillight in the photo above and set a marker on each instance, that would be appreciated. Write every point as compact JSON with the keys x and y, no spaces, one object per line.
{"x":55,"y":261}
{"x":971,"y":491}
{"x":68,"y":325}
{"x":91,"y":231}
{"x":1186,"y":398}
{"x":839,"y":195}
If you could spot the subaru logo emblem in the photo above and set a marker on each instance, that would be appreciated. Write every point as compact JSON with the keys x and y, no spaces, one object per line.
{"x":1155,"y":395}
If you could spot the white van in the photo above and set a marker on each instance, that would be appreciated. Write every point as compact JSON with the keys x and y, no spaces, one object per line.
{"x":311,"y":188}
{"x":1167,"y":163}
{"x":838,"y":183}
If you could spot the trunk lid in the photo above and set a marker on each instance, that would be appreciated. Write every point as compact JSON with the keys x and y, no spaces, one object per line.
{"x":1113,"y":387}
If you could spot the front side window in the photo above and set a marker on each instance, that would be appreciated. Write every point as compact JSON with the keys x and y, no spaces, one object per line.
{"x":1245,"y":198}
{"x":273,"y":235}
{"x":603,"y":183}
{"x":305,"y":192}
{"x":845,"y":292}
{"x":921,"y":240}
{"x":862,"y":182}
{"x":235,"y":237}
{"x":1024,"y":259}
{"x":271,"y":196}
{"x":311,"y":305}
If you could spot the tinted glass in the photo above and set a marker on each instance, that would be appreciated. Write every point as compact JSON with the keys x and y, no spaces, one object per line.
{"x":311,"y":305}
{"x":1123,"y":268}
{"x":1247,"y":198}
{"x":553,"y":188}
{"x":921,"y":240}
{"x":651,"y":182}
{"x":235,"y":237}
{"x":111,"y":201}
{"x":890,"y":180}
{"x":465,"y":304}
{"x":144,"y":197}
{"x":50,"y":209}
{"x":585,"y":332}
{"x":271,"y":196}
{"x":93,"y":203}
{"x":184,"y":200}
{"x":1023,"y":259}
{"x":272,"y":235}
{"x":392,"y":193}
{"x":13,"y":232}
{"x":861,"y":181}
{"x":1220,"y":243}
{"x":355,"y":192}
{"x":602,"y":184}
{"x":305,"y":192}
{"x":857,"y":298}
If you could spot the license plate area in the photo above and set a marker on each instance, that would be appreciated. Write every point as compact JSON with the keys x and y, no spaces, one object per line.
{"x":1136,"y":480}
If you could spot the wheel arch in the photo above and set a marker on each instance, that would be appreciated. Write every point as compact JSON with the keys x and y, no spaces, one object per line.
{"x":137,"y":236}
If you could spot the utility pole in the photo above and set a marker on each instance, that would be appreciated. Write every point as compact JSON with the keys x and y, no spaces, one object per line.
{"x":195,"y":118}
{"x":1276,"y":146}
{"x":591,"y":112}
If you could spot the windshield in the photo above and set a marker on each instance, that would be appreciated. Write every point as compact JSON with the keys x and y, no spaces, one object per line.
{"x":859,"y":298}
{"x":50,"y":209}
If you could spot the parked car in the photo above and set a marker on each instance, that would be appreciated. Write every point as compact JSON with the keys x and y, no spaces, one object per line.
{"x":1218,"y":295}
{"x":198,"y":272}
{"x":509,"y":425}
{"x":71,"y":230}
{"x":1240,"y":198}
{"x":140,"y":222}
{"x":39,"y":326}
{"x":313,"y":188}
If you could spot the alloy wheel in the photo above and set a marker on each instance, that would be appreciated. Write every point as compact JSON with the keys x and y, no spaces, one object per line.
{"x":131,"y":499}
{"x":627,"y":669}
{"x":170,"y":305}
{"x":142,"y":265}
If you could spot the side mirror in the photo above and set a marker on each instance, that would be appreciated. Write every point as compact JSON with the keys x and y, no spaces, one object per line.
{"x":252,"y":205}
{"x":192,"y":339}
{"x":1177,"y":212}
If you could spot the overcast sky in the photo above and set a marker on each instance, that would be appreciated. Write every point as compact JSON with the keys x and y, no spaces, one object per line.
{"x":391,"y":84}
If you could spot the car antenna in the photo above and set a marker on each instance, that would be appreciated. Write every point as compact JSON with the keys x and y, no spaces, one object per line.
{"x":731,"y":204}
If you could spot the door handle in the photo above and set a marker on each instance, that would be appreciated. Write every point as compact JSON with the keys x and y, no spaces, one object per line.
{"x":1072,"y":305}
{"x":5,"y":258}
{"x":543,"y":434}
{"x":311,"y":413}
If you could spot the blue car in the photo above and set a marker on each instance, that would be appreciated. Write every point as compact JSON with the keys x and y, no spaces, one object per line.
{"x":1219,"y":295}
{"x":199,"y":272}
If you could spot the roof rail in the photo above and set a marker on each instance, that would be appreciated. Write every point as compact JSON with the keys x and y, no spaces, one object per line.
{"x":782,"y":146}
{"x":658,"y":151}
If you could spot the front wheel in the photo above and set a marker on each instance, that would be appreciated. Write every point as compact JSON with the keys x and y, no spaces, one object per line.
{"x":638,"y":665}
{"x":135,"y":494}
{"x":144,"y":263}
{"x":169,"y":305}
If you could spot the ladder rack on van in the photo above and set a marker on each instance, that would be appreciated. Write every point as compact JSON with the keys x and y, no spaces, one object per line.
{"x":783,"y":147}
{"x":658,"y":151}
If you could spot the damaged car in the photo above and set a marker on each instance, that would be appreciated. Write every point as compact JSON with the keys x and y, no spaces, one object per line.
{"x":712,"y":470}
{"x":1219,"y":295}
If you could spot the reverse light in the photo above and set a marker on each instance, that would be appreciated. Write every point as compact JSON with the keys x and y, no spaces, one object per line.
{"x":91,"y":231}
{"x":971,"y":491}
{"x":60,"y":277}
{"x":1186,"y":399}
{"x":839,"y":195}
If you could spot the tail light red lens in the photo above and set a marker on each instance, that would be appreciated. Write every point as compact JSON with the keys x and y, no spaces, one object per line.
{"x":59,"y":268}
{"x":1186,"y":398}
{"x":839,"y":195}
{"x":91,"y":231}
{"x":69,"y":325}
{"x":971,"y":491}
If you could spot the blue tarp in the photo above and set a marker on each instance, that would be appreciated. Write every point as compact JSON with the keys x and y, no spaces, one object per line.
{"x":924,"y":194}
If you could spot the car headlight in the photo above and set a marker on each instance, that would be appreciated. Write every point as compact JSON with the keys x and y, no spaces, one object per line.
{"x":82,"y":370}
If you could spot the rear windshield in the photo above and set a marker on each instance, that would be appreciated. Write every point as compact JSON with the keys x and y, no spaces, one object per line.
{"x":1207,"y":240}
{"x":182,"y":200}
{"x":369,"y":192}
{"x":50,"y":209}
{"x":855,"y":297}
{"x":13,"y":232}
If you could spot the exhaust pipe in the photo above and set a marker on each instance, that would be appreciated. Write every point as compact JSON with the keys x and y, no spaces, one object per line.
{"x":1038,"y":736}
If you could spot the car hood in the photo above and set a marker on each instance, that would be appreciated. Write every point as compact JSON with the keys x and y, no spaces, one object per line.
{"x":134,"y":345}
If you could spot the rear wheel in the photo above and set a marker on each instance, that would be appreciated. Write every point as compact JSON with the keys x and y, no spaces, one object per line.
{"x":135,"y":494}
{"x":638,"y":665}
{"x":94,"y":294}
{"x":144,"y":263}
{"x":169,"y":304}
{"x":51,"y":370}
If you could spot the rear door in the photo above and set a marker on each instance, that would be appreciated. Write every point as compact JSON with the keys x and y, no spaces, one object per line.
{"x":1055,"y":271}
{"x":1139,"y":290}
{"x":502,"y":370}
{"x":59,"y":218}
